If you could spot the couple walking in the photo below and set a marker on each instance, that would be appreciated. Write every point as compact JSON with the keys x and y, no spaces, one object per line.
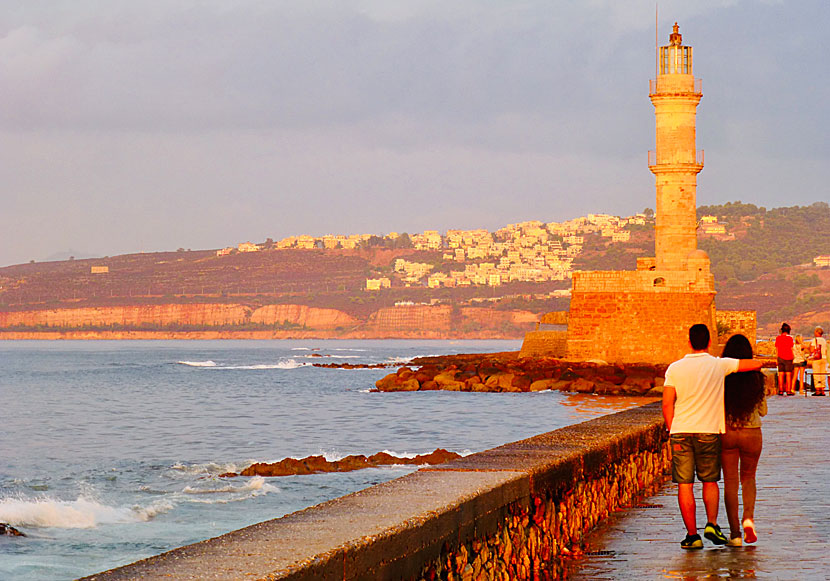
{"x":713,"y":414}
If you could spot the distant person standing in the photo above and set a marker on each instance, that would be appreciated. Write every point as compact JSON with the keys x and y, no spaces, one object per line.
{"x":742,"y":442}
{"x":694,"y":412}
{"x":784,"y":349}
{"x":818,"y":361}
{"x":799,"y":365}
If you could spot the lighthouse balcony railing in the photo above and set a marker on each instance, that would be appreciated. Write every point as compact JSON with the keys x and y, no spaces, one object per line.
{"x":670,"y":85}
{"x":654,"y":159}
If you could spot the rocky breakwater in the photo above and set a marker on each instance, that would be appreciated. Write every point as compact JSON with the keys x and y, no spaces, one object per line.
{"x":506,"y":372}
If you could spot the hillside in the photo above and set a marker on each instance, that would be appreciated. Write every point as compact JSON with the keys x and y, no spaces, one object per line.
{"x":762,"y":260}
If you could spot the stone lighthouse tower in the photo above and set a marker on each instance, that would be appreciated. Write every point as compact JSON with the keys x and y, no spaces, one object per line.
{"x":675,"y":163}
{"x":643,"y":315}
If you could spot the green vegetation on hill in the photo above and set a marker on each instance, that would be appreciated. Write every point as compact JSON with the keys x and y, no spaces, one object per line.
{"x":766,"y":240}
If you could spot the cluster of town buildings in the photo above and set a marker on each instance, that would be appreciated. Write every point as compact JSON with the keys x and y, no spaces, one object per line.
{"x":530,"y":251}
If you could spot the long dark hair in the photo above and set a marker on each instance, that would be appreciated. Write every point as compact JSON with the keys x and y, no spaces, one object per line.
{"x":745,"y":390}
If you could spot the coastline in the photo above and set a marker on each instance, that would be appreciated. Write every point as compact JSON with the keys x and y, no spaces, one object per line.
{"x":252,"y":335}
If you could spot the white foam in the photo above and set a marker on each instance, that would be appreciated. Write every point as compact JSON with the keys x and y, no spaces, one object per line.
{"x":287,"y":364}
{"x":198,"y":363}
{"x":290,"y":364}
{"x":82,"y":513}
{"x":400,"y":455}
{"x":206,"y":469}
{"x":399,"y":360}
{"x":255,"y":484}
{"x":301,"y":349}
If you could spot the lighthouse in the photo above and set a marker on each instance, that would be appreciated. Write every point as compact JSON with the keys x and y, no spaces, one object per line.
{"x":644,"y":315}
{"x":675,"y":162}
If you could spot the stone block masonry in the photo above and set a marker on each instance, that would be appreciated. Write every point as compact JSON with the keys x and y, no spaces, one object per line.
{"x":513,"y":512}
{"x":743,"y":322}
{"x":636,"y":326}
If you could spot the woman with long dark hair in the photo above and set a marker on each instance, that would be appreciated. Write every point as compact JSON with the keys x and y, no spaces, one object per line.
{"x":741,"y":444}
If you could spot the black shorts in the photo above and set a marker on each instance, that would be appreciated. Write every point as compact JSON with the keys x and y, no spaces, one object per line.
{"x":692,"y":453}
{"x":785,"y":365}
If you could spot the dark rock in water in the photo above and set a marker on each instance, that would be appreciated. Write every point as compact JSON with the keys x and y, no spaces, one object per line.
{"x":9,"y":531}
{"x":318,"y":464}
{"x":353,"y":365}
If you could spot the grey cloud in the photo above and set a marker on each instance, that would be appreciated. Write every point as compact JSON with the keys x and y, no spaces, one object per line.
{"x":476,"y":113}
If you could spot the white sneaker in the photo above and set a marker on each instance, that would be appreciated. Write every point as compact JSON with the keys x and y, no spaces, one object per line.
{"x":734,"y":542}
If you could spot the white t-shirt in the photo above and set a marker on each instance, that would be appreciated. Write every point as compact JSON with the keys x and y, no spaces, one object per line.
{"x":698,"y":380}
{"x":821,"y":341}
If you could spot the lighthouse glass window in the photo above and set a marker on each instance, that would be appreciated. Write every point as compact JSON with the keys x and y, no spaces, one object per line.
{"x":675,"y":60}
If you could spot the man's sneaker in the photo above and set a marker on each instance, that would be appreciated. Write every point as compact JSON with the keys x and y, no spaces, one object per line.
{"x":734,"y":542}
{"x":714,"y":534}
{"x":691,"y":542}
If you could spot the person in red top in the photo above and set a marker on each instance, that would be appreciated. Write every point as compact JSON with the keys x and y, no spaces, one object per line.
{"x":784,"y":348}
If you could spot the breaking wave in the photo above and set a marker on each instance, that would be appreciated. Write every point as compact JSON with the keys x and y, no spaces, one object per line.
{"x":287,"y":364}
{"x":205,"y":469}
{"x":82,"y":513}
{"x":221,"y":492}
{"x":255,"y":484}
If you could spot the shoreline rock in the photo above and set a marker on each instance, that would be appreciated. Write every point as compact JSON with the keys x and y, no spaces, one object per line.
{"x":506,"y":372}
{"x":354,"y":365}
{"x":9,"y":531}
{"x":318,"y":464}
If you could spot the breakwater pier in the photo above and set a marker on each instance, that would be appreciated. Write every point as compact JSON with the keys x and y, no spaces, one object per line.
{"x":589,"y":501}
{"x":518,"y":511}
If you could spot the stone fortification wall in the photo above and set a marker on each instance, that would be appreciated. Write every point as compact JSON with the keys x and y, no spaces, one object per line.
{"x":554,"y":318}
{"x":650,"y":327}
{"x":512,"y":512}
{"x":743,"y":322}
{"x":656,"y":281}
{"x":545,"y":344}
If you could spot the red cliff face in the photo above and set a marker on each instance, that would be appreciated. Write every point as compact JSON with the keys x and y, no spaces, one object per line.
{"x":206,"y":320}
{"x":130,"y":316}
{"x":303,"y":316}
{"x":410,"y":318}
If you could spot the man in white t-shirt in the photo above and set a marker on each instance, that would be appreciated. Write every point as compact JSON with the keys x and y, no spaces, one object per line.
{"x":694,"y":414}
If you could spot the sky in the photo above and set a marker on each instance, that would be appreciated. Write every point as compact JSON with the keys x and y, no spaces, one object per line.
{"x":146,"y":126}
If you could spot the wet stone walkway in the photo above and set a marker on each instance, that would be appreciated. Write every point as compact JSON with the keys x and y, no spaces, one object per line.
{"x":792,"y":515}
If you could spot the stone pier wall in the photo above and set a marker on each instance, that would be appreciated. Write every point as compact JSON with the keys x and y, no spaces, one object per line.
{"x":512,"y":512}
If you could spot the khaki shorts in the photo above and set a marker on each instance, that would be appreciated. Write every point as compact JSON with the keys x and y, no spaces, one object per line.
{"x":692,"y":453}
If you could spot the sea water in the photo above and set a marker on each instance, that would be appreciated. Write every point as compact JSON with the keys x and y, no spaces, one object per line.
{"x":111,"y":451}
